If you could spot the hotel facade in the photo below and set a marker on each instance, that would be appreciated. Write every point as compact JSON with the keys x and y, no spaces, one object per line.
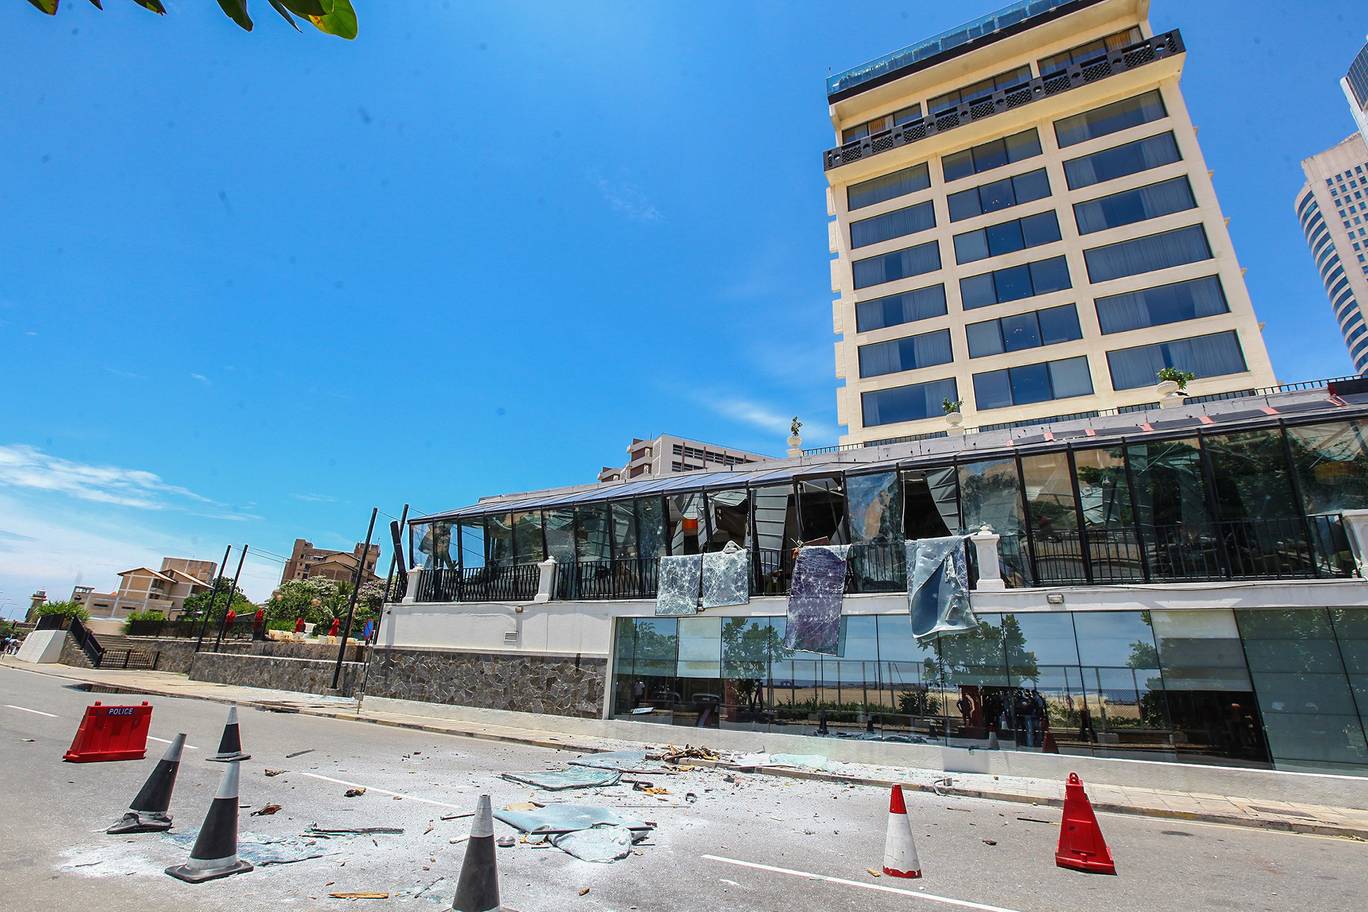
{"x":1023,"y":222}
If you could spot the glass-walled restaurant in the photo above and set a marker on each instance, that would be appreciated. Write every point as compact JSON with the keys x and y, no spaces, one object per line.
{"x":1277,"y":688}
{"x":1187,"y":505}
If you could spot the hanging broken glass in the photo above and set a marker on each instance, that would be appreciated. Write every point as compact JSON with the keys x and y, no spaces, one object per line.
{"x":814,"y":604}
{"x":938,"y":587}
{"x":726,"y":577}
{"x":677,"y":585}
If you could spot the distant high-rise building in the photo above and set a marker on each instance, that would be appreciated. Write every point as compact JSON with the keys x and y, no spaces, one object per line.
{"x":1332,"y":207}
{"x":308,"y":562}
{"x":1023,"y":220}
{"x":1355,"y":85}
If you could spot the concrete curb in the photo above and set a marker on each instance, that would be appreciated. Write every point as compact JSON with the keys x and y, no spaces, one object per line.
{"x":1287,"y":826}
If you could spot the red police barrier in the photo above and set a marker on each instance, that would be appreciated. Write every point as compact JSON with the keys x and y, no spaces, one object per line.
{"x":1081,"y":845}
{"x":111,"y":733}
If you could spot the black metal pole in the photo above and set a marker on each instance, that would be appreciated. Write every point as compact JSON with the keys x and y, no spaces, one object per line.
{"x":351,"y":603}
{"x":232,"y":590}
{"x":213,"y":594}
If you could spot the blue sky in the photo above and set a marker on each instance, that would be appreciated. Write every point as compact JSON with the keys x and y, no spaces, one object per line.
{"x":254,"y":284}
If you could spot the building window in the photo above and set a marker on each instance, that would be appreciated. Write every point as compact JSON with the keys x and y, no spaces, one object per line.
{"x":1119,"y":161}
{"x":905,"y":354}
{"x":888,"y":186}
{"x":893,"y":224}
{"x":1112,"y":118}
{"x":1131,"y":206}
{"x":979,"y":90}
{"x":1007,"y":237}
{"x":906,"y":403}
{"x":879,"y":124}
{"x":1032,"y":383}
{"x":989,"y":155}
{"x":1000,"y":194}
{"x":894,"y":310}
{"x":1160,"y":305}
{"x":1147,"y":254}
{"x":1015,"y":283}
{"x":1021,"y":331}
{"x":900,"y":264}
{"x":1087,"y":53}
{"x":1205,"y":356}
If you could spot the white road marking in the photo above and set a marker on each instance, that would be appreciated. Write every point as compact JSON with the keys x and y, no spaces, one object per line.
{"x":36,"y":712}
{"x":878,"y":887}
{"x":164,"y":741}
{"x":371,"y":788}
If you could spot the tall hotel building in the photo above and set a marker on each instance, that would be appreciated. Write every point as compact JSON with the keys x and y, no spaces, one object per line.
{"x":1332,"y":208}
{"x":1024,"y":223}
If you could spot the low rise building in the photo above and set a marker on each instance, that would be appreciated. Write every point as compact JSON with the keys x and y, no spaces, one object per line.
{"x":1178,"y":584}
{"x":667,"y":454}
{"x":308,"y":562}
{"x":146,"y":589}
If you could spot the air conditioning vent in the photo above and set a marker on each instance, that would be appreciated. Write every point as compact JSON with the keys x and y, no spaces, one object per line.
{"x":510,"y":637}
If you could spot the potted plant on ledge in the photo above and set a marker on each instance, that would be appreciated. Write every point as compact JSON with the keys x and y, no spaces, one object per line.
{"x":951,"y":407}
{"x":1172,"y":380}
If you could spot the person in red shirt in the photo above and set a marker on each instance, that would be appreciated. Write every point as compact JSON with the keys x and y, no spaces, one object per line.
{"x":259,"y":624}
{"x":299,"y":625}
{"x":335,"y":628}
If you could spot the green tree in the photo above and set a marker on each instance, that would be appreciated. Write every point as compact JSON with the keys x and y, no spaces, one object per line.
{"x":332,"y":17}
{"x":197,"y":604}
{"x":747,"y":650}
{"x":317,"y":601}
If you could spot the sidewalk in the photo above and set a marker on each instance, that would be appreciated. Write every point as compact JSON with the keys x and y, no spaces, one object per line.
{"x":1233,"y":811}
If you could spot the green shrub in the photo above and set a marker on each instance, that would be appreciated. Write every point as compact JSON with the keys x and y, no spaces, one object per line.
{"x":147,"y":614}
{"x":67,"y":610}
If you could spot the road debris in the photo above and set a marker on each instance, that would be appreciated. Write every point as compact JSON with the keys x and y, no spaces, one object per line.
{"x":329,"y":832}
{"x":583,"y":891}
{"x":359,"y":895}
{"x":307,"y":750}
{"x":521,"y":806}
{"x":505,"y":842}
{"x":628,"y":761}
{"x":674,"y":754}
{"x":457,"y":816}
{"x":354,"y":792}
{"x":266,"y":810}
{"x":272,"y":772}
{"x":873,"y":873}
{"x":990,"y":842}
{"x":570,"y":778}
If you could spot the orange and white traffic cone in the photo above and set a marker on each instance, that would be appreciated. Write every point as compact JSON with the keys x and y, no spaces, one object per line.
{"x":900,"y":851}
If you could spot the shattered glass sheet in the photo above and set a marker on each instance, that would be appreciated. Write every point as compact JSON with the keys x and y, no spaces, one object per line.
{"x":815,"y":595}
{"x":603,"y":843}
{"x":726,"y":577}
{"x":628,"y":761}
{"x":571,"y":778}
{"x":264,"y":851}
{"x":938,"y":587}
{"x":797,"y":761}
{"x":566,"y":818}
{"x":677,"y":583}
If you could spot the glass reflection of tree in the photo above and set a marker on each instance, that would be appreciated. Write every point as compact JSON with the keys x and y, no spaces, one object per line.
{"x":747,"y":651}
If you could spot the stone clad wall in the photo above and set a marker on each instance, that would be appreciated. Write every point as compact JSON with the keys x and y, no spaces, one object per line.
{"x":177,"y":655}
{"x":556,"y":685}
{"x":275,"y":672}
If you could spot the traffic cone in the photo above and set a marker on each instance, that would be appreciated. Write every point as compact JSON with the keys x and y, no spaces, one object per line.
{"x":215,"y":852}
{"x":230,"y":745}
{"x":900,"y":851}
{"x":1081,"y":845}
{"x":1048,"y":746}
{"x":147,"y":813}
{"x":477,"y":890}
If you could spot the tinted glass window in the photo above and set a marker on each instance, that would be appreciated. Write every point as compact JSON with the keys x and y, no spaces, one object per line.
{"x":1029,"y":383}
{"x":978,"y":291}
{"x":1059,"y":324}
{"x":1013,"y":283}
{"x":958,"y":164}
{"x":1120,"y":115}
{"x":888,"y":186}
{"x":897,"y":309}
{"x":893,"y":224}
{"x":1136,"y":205}
{"x":1050,"y":275}
{"x":897,"y":265}
{"x":984,"y":338}
{"x":992,"y":390}
{"x":991,"y":154}
{"x":1028,"y":330}
{"x":906,"y":403}
{"x":1146,"y":254}
{"x":1205,"y":356}
{"x":909,"y":353}
{"x":1163,"y":304}
{"x":1020,"y":331}
{"x":1131,"y":158}
{"x":1069,"y":377}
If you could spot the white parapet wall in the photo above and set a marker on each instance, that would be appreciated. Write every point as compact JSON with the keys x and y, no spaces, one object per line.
{"x":42,"y":647}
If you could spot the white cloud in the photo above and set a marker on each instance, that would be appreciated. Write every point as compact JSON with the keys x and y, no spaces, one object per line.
{"x":201,"y":378}
{"x":627,"y":200}
{"x":315,"y":498}
{"x":23,"y":466}
{"x":762,"y":416}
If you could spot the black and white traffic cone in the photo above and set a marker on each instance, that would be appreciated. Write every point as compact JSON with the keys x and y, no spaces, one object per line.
{"x":147,"y":813}
{"x":215,"y":852}
{"x":230,"y":745}
{"x":477,"y":890}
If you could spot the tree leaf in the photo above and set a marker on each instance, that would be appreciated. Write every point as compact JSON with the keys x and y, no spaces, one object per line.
{"x":284,"y":13}
{"x":237,"y":11}
{"x":340,"y":21}
{"x":47,"y":6}
{"x":306,"y":8}
{"x":153,"y":5}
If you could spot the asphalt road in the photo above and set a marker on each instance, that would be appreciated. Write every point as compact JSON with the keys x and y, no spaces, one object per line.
{"x":757,"y":844}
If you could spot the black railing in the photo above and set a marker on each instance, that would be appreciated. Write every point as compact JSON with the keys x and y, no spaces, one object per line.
{"x":596,"y":580}
{"x":86,"y":640}
{"x":1268,"y":548}
{"x":127,"y":659}
{"x":1076,"y":75}
{"x":517,"y":583}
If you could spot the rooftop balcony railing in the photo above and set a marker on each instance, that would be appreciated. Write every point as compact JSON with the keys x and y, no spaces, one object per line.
{"x":1079,"y":74}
